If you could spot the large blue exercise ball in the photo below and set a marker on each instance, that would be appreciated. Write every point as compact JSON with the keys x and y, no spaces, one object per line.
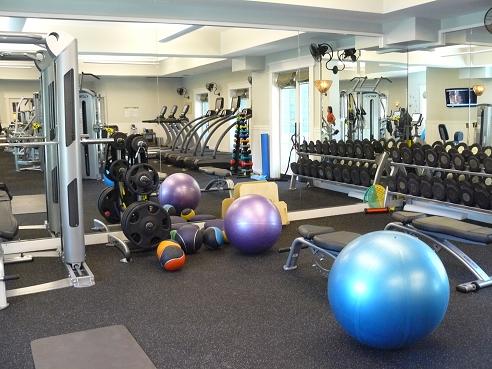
{"x":252,"y":224}
{"x":181,"y":191}
{"x":388,"y":289}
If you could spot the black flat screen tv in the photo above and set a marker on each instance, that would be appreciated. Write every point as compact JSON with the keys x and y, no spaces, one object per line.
{"x":460,"y":97}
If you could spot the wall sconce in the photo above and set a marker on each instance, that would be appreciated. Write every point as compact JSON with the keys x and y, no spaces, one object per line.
{"x":478,"y":89}
{"x":212,"y":86}
{"x":183,"y":92}
{"x":323,"y":85}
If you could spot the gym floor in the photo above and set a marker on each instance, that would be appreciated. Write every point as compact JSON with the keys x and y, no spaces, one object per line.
{"x":225,"y":309}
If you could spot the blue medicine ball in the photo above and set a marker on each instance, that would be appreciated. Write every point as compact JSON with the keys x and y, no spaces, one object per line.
{"x":388,"y":289}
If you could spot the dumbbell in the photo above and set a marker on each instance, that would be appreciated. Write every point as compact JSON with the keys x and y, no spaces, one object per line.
{"x":426,"y":187}
{"x":418,"y":154}
{"x":341,"y":148}
{"x":337,"y":172}
{"x":431,"y":157}
{"x":413,"y":183}
{"x":313,"y":168}
{"x":358,"y":149}
{"x":333,"y":147}
{"x":368,"y":150}
{"x":319,"y":147}
{"x":325,"y":147}
{"x":467,"y":193}
{"x":391,"y":182}
{"x":389,"y":144}
{"x":402,"y":184}
{"x":377,"y":146}
{"x":321,"y":170}
{"x":365,"y":175}
{"x":349,"y":149}
{"x":311,"y":147}
{"x":304,"y":146}
{"x":481,"y":195}
{"x":452,"y":190}
{"x":346,"y":172}
{"x":395,"y":154}
{"x":329,"y":171}
{"x":354,"y":173}
{"x":406,"y":154}
{"x":438,"y":189}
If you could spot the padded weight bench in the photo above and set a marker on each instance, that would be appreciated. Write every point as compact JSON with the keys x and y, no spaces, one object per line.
{"x":223,"y":182}
{"x":439,"y":232}
{"x":320,"y":240}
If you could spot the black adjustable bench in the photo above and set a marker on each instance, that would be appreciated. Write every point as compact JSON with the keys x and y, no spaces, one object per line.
{"x":8,"y":224}
{"x":320,"y":240}
{"x":437,"y":232}
{"x":440,"y":232}
{"x":222,"y":182}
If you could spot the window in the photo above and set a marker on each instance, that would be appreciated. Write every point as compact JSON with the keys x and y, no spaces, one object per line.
{"x":201,"y":104}
{"x":294,"y":111}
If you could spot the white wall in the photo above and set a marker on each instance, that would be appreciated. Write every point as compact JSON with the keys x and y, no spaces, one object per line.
{"x":438,"y":79}
{"x":146,"y":94}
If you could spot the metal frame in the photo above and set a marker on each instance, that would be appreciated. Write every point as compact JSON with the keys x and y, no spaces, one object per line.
{"x":300,"y":243}
{"x":438,"y":241}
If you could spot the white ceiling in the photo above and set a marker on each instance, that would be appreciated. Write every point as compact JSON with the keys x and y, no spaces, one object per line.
{"x":180,"y":38}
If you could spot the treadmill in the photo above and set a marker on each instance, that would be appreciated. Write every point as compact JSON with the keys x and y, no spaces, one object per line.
{"x":173,"y":124}
{"x":189,"y":151}
{"x":162,"y":115}
{"x":218,"y":159}
{"x":189,"y":131}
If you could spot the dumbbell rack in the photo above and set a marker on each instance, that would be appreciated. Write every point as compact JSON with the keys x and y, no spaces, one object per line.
{"x":438,"y":207}
{"x":356,"y":191}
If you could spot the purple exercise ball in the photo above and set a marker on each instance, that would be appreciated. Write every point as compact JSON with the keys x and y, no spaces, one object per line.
{"x":181,"y":191}
{"x":252,"y":224}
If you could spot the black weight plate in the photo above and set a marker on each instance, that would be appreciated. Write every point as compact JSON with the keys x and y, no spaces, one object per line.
{"x":313,"y":168}
{"x":406,"y":155}
{"x":467,"y":194}
{"x":333,"y":148}
{"x":414,"y":186}
{"x":128,"y":142}
{"x":474,"y":163}
{"x":426,"y":188}
{"x":437,"y":143}
{"x":459,"y":162}
{"x":349,"y":149}
{"x":445,"y":160}
{"x":395,"y":154}
{"x":119,"y":140}
{"x":358,"y":150}
{"x":329,"y":171}
{"x":418,"y":156}
{"x":368,"y":150}
{"x":402,"y":184}
{"x":355,"y":175}
{"x":365,"y":177}
{"x":461,"y":147}
{"x":337,"y":173}
{"x":438,"y":189}
{"x":138,"y":142}
{"x":346,"y":176}
{"x":377,"y":147}
{"x":321,"y":171}
{"x":142,"y":179}
{"x":390,"y":144}
{"x":431,"y":158}
{"x":294,"y":167}
{"x":487,"y":164}
{"x":392,"y":184}
{"x":108,"y":205}
{"x":426,"y":147}
{"x":466,"y":154}
{"x":452,"y":191}
{"x":319,"y":147}
{"x":117,"y":170}
{"x":325,"y":147}
{"x":482,"y":197}
{"x":311,"y":147}
{"x":145,"y":224}
{"x":341,"y":148}
{"x":475,"y":149}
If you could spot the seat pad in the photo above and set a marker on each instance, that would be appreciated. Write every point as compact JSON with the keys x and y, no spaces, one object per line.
{"x":309,"y":231}
{"x":216,"y":171}
{"x":456,"y":228}
{"x":334,"y":241}
{"x":8,"y":223}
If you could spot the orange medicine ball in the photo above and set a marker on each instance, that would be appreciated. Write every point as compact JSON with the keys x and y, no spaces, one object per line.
{"x":170,"y":255}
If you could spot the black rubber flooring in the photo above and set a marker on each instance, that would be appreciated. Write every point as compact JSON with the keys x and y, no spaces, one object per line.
{"x":228,"y":310}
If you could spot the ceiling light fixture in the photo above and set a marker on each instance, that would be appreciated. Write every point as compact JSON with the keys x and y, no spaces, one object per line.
{"x":478,"y":89}
{"x":323,"y":85}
